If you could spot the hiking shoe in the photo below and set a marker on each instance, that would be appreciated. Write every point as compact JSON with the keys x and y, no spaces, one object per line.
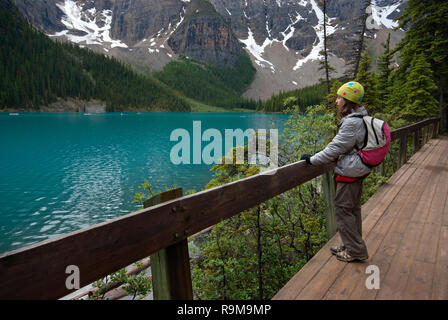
{"x":336,"y":249}
{"x":345,"y":256}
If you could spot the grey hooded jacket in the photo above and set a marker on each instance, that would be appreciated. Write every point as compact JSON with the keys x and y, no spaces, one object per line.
{"x":342,"y":148}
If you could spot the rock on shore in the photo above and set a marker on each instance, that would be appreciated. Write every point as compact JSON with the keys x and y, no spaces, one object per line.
{"x":74,"y":105}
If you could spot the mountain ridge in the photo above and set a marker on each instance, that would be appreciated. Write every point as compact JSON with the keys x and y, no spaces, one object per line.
{"x":282,"y":37}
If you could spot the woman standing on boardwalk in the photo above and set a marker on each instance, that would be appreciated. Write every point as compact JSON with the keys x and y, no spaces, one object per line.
{"x":350,"y":171}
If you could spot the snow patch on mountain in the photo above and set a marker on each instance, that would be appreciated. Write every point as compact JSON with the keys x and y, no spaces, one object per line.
{"x":75,"y":19}
{"x":290,"y":34}
{"x":319,"y":43}
{"x":257,"y":50}
{"x":378,"y":16}
{"x":181,"y":19}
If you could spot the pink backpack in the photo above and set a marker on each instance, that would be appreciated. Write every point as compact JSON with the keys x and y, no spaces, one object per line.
{"x":376,"y":143}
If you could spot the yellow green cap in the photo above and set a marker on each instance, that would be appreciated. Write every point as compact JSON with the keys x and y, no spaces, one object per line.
{"x":352,"y":91}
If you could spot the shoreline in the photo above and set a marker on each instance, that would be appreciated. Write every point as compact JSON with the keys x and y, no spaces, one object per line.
{"x":97,"y":107}
{"x":132,"y":110}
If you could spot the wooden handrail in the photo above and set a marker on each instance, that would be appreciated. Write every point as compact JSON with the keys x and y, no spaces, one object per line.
{"x":406,"y":130}
{"x":39,"y":271}
{"x":415,"y":129}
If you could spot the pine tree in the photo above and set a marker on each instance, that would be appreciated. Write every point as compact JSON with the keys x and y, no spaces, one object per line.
{"x":439,"y":54}
{"x":369,"y":81}
{"x":358,"y":45}
{"x":419,"y":88}
{"x":427,"y":24}
{"x":330,"y":99}
{"x":360,"y":48}
{"x":324,"y":64}
{"x":384,"y":70}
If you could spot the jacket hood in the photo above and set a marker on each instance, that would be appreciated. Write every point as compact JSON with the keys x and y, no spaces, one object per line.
{"x":360,"y":112}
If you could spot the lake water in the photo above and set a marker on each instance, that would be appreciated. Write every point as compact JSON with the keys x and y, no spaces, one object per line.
{"x":60,"y":172}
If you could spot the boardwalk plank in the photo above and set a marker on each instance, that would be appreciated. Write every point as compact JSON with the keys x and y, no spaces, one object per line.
{"x":296,"y":284}
{"x":396,"y":274}
{"x":419,"y":286}
{"x":411,"y":164}
{"x":427,"y":250}
{"x":427,"y":247}
{"x":440,"y":279}
{"x":354,"y":273}
{"x":319,"y":285}
{"x":445,"y":213}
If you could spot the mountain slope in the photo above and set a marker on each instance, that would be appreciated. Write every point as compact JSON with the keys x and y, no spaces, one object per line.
{"x":35,"y":71}
{"x":220,"y":87}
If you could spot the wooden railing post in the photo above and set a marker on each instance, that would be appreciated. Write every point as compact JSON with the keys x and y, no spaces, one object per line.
{"x":425,"y":135}
{"x":417,"y":140}
{"x":435,"y":131}
{"x":403,"y":150}
{"x":329,"y":189}
{"x":170,"y":267}
{"x":414,"y":144}
{"x":380,"y":169}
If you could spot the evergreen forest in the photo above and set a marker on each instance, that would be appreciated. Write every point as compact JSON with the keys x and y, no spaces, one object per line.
{"x":220,"y":87}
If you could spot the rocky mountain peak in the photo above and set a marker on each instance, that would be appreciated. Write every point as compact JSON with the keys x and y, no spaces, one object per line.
{"x":283,"y":37}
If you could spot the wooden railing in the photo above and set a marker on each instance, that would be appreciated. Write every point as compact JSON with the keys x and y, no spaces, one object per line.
{"x":422,"y":132}
{"x":40,"y":271}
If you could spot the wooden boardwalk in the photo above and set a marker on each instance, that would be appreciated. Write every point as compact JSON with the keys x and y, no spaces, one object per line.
{"x":405,"y":226}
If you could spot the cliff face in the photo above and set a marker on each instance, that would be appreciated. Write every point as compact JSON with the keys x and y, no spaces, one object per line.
{"x":42,"y":14}
{"x":206,"y":36}
{"x":135,"y":20}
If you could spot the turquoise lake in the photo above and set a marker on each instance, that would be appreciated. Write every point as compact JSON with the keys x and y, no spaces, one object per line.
{"x":60,"y":172}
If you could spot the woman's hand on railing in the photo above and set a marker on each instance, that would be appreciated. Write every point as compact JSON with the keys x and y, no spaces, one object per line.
{"x":306,"y":157}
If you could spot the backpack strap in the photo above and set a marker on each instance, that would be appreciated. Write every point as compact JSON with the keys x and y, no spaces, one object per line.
{"x":367,"y":132}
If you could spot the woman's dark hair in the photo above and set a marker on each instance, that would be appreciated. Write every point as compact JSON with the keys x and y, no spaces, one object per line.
{"x":348,"y":107}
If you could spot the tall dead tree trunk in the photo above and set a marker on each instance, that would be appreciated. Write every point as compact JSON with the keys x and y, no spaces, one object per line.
{"x":327,"y":71}
{"x":360,"y":43}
